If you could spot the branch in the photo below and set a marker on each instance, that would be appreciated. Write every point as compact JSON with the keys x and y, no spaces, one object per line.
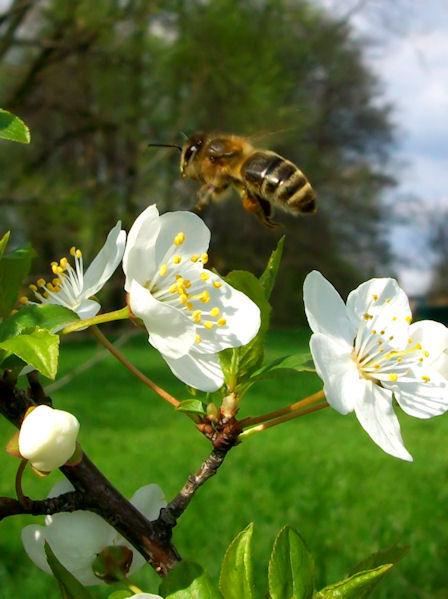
{"x":94,"y":492}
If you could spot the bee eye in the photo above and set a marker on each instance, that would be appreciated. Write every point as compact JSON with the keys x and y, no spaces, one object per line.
{"x":191,"y":152}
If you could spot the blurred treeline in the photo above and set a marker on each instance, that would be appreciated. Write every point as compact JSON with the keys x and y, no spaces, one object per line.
{"x":96,"y":81}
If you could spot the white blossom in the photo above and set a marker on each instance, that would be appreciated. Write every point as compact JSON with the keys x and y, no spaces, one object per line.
{"x":190,"y":313}
{"x":76,"y":538}
{"x":368,"y":352}
{"x":71,"y":287}
{"x":47,"y":437}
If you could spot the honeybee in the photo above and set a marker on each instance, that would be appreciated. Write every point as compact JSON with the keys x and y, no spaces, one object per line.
{"x":261,"y":177}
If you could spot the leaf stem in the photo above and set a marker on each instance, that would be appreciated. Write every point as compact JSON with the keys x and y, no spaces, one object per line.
{"x":121,"y":314}
{"x":299,"y":405}
{"x":144,"y":379}
{"x":285,"y":418}
{"x":23,"y":499}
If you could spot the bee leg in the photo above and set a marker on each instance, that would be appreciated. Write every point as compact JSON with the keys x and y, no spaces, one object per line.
{"x":206,"y":193}
{"x":258,"y":206}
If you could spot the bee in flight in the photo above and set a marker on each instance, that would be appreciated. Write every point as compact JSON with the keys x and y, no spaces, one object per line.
{"x":261,"y":177}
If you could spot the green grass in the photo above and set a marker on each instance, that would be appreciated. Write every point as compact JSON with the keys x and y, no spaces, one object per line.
{"x":321,"y":474}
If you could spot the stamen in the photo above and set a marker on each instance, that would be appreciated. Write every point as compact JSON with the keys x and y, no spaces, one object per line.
{"x":217,"y":284}
{"x":204,"y":275}
{"x":204,"y":258}
{"x":208,"y":324}
{"x":177,"y":259}
{"x":32,"y":287}
{"x":426,"y":378}
{"x":408,"y":319}
{"x":194,"y":258}
{"x":179,"y":239}
{"x":173,"y":288}
{"x":23,"y":299}
{"x":204,"y":297}
{"x":40,"y":282}
{"x":215,"y":311}
{"x":221,"y":322}
{"x":375,"y":297}
{"x":189,"y":306}
{"x":393,"y":376}
{"x":197,"y":339}
{"x":367,"y":316}
{"x":197,"y":315}
{"x":163,"y":270}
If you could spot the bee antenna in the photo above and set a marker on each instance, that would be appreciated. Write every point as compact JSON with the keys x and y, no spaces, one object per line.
{"x":165,"y":146}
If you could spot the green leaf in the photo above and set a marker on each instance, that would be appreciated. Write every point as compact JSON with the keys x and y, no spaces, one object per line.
{"x":269,"y":275}
{"x":12,"y":128}
{"x":121,"y":594}
{"x":40,"y":349}
{"x":4,"y":242}
{"x":187,"y":581}
{"x":192,"y":406}
{"x":70,"y":587}
{"x":239,"y":363}
{"x":236,"y":579}
{"x":14,"y":267}
{"x":389,"y":555}
{"x":287,"y":364}
{"x":43,"y":316}
{"x":291,"y":567}
{"x":358,"y":586}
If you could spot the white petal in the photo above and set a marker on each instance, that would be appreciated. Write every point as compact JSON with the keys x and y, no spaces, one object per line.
{"x":197,"y":235}
{"x":33,"y":539}
{"x":433,"y":337}
{"x":241,"y":314}
{"x":201,"y":371}
{"x":139,"y":259}
{"x":76,"y":538}
{"x":337,"y":369}
{"x":170,"y":330}
{"x":441,"y":364}
{"x":419,"y":398}
{"x":376,"y":416}
{"x":87,"y":309}
{"x":105,"y":262}
{"x":325,"y":310}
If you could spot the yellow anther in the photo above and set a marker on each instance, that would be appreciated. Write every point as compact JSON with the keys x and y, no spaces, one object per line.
{"x":54,"y":263}
{"x":32,"y":287}
{"x":194,"y":258}
{"x":221,"y":322}
{"x":418,"y":346}
{"x":391,"y":337}
{"x":374,"y":332}
{"x":394,"y":319}
{"x":72,"y":251}
{"x":393,"y":376}
{"x":399,"y":359}
{"x":177,"y":259}
{"x":197,"y":315}
{"x":163,"y":270}
{"x":56,"y":269}
{"x":179,"y":239}
{"x":187,"y":283}
{"x":375,"y":297}
{"x":410,"y":340}
{"x":215,"y":311}
{"x":23,"y":299}
{"x":367,"y":316}
{"x":46,"y":295}
{"x":41,"y":282}
{"x":379,"y":343}
{"x":56,"y":281}
{"x":217,"y":284}
{"x":197,"y":339}
{"x":381,"y":332}
{"x":420,"y":359}
{"x":376,"y":366}
{"x":208,"y":324}
{"x":63,"y":262}
{"x":204,"y":297}
{"x":205,"y":275}
{"x":78,"y":253}
{"x":408,"y":319}
{"x":204,"y":258}
{"x":183,"y":298}
{"x":387,"y":300}
{"x":173,"y":288}
{"x":426,"y":353}
{"x":189,"y":306}
{"x":426,"y":378}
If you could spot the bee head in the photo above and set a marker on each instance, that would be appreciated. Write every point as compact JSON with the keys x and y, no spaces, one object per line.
{"x":190,"y":152}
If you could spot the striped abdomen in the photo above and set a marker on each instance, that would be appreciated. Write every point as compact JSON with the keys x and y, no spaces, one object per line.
{"x":278,"y":180}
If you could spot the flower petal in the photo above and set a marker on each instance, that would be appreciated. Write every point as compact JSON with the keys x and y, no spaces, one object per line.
{"x":419,"y":398}
{"x":325,"y":309}
{"x":241,"y":316}
{"x":196,"y":232}
{"x":139,"y":255}
{"x":105,"y":262}
{"x":335,"y":366}
{"x":375,"y":414}
{"x":87,"y":309}
{"x":33,"y":539}
{"x":170,"y":330}
{"x":432,"y":336}
{"x":201,"y":371}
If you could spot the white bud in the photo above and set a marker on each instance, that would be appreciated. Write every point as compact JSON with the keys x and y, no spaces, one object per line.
{"x":47,"y":437}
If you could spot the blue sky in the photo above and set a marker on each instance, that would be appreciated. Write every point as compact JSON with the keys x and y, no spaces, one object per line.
{"x":408,"y":51}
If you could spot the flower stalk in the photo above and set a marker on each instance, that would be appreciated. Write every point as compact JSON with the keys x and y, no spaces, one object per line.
{"x":121,"y":314}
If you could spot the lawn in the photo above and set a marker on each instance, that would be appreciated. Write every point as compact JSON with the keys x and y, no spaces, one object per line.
{"x":321,"y":474}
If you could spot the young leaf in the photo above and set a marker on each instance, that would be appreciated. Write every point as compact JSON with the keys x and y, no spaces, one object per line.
{"x":40,"y":349}
{"x":14,"y":267}
{"x":70,"y":587}
{"x":188,"y":580}
{"x":239,"y":363}
{"x":192,"y":406}
{"x":269,"y":275}
{"x":236,"y":579}
{"x":358,"y":586}
{"x":389,"y":555}
{"x":4,"y":242}
{"x":45,"y":316}
{"x":285,"y":365}
{"x":291,"y":567}
{"x":12,"y":128}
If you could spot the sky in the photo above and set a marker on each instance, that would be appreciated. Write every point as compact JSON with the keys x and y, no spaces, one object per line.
{"x":408,"y":51}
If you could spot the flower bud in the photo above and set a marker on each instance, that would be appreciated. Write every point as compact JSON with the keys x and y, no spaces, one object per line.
{"x":47,"y":437}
